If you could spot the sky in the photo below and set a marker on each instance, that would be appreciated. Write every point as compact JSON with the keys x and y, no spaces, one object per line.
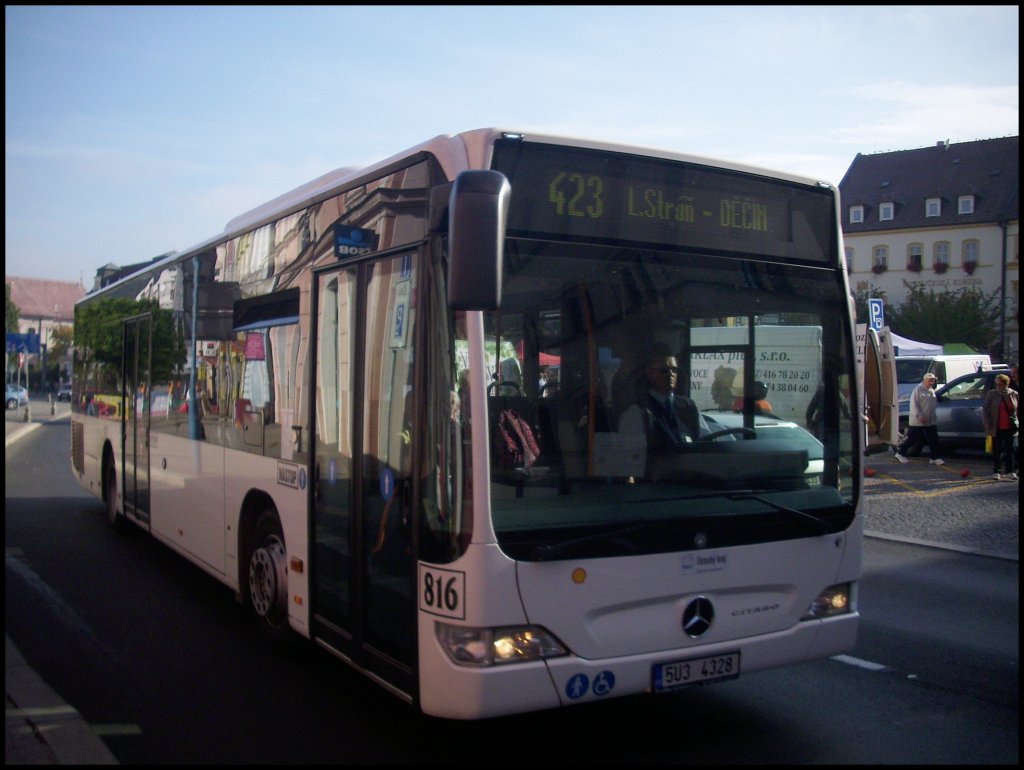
{"x":135,"y":131}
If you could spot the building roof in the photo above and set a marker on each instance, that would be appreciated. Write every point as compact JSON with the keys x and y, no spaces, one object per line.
{"x":988,"y":169}
{"x":40,"y":298}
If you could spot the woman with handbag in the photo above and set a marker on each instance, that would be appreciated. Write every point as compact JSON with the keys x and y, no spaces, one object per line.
{"x":1000,"y":416}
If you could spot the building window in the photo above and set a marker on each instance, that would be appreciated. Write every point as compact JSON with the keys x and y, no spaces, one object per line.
{"x":965,"y":204}
{"x":915,"y":257}
{"x":969,"y":253}
{"x":849,"y":258}
{"x":933,"y":207}
{"x":879,"y":259}
{"x":940,"y":257}
{"x":856,"y":214}
{"x":885,"y":211}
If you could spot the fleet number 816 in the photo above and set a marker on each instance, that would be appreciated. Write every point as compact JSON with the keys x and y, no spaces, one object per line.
{"x":442,"y":591}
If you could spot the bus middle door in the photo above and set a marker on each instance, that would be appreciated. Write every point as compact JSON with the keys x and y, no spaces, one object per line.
{"x":136,"y":363}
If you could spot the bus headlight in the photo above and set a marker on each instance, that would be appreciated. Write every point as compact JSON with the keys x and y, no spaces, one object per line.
{"x":834,"y":600}
{"x":467,"y":646}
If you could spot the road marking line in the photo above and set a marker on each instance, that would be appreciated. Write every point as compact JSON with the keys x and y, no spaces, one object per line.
{"x":852,"y":661}
{"x":37,"y":713}
{"x":116,"y":729}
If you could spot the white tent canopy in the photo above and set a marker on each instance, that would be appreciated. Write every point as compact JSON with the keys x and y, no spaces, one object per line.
{"x":903,"y":347}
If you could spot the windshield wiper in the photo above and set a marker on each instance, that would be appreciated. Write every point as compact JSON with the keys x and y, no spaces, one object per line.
{"x":818,"y":525}
{"x":551,"y":551}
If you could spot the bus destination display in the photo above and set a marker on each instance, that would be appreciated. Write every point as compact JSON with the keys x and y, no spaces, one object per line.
{"x":570,"y":193}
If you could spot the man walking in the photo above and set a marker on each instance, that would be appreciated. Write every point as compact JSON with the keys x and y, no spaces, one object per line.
{"x":922,"y":428}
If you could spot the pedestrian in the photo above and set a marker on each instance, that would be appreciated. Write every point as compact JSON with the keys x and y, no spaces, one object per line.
{"x":922,"y":428}
{"x":815,"y":410}
{"x":1000,"y":416}
{"x":759,"y":400}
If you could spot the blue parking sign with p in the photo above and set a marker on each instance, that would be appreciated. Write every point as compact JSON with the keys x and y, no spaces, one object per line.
{"x":875,"y":310}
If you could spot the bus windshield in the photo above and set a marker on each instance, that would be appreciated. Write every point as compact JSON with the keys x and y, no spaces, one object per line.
{"x":587,"y":456}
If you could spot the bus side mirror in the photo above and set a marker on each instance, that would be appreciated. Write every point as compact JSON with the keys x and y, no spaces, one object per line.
{"x":477,"y":217}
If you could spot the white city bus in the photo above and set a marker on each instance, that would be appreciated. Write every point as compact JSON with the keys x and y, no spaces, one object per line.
{"x":389,"y":409}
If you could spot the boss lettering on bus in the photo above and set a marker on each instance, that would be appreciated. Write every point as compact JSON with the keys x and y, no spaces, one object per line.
{"x":353,"y":241}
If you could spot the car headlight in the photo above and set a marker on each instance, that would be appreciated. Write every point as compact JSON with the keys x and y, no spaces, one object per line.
{"x":834,"y":600}
{"x":470,"y":646}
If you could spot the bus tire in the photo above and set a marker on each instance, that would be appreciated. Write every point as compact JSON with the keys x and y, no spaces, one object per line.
{"x":115,"y":518}
{"x":266,"y":577}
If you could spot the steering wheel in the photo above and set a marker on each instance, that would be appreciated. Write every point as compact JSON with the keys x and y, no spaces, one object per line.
{"x":730,"y":431}
{"x":505,"y":384}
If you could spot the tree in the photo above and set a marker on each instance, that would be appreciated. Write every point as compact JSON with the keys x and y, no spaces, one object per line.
{"x":98,"y":335}
{"x":965,"y":315}
{"x":12,"y":311}
{"x":10,"y":323}
{"x":61,"y":339}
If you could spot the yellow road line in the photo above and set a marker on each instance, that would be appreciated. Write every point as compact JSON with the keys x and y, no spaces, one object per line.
{"x":911,"y":489}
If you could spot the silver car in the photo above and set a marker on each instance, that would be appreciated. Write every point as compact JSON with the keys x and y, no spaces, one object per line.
{"x":15,"y":396}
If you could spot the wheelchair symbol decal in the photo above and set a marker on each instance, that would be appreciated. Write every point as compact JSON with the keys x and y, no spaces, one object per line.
{"x":579,"y":685}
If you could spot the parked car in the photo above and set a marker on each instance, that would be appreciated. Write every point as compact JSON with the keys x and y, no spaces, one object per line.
{"x":783,"y":435}
{"x":64,"y":393}
{"x":958,"y":411}
{"x":15,"y":396}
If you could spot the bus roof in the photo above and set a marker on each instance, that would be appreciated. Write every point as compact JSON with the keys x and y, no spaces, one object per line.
{"x":455,"y":153}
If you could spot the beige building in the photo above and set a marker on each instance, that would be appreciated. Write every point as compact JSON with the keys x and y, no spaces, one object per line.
{"x":44,"y":306}
{"x":946,"y":217}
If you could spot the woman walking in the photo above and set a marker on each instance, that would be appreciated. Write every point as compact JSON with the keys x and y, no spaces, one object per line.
{"x":1000,"y":416}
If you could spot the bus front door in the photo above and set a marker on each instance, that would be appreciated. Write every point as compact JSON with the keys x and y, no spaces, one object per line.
{"x":138,"y":338}
{"x":362,"y":558}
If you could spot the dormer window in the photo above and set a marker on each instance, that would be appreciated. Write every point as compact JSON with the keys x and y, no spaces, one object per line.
{"x":856,"y":214}
{"x":965,"y":204}
{"x":933,"y":207}
{"x":885,"y":211}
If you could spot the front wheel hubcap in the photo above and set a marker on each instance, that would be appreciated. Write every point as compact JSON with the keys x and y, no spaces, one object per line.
{"x":267,"y":579}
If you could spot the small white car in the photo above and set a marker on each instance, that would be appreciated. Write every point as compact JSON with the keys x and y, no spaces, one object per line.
{"x":15,"y":396}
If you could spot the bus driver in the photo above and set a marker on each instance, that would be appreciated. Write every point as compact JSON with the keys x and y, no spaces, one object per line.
{"x":669,"y":420}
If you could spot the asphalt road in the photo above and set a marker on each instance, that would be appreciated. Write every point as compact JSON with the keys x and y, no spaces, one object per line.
{"x":946,"y":712}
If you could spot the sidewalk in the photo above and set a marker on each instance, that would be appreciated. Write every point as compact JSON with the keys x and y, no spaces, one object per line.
{"x":41,"y":728}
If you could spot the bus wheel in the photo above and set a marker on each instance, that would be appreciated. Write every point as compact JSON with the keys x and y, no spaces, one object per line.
{"x":114,"y":518}
{"x":267,"y":584}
